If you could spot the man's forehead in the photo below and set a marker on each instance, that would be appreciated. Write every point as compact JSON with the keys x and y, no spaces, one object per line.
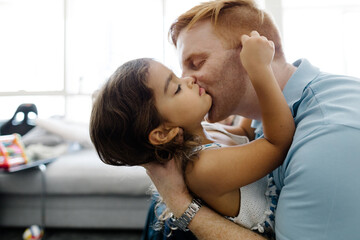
{"x":192,"y":41}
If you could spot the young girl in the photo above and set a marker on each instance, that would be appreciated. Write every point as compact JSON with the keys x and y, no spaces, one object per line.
{"x":144,"y":113}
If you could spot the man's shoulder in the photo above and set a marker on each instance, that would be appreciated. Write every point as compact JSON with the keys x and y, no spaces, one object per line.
{"x":337,"y":98}
{"x":337,"y":81}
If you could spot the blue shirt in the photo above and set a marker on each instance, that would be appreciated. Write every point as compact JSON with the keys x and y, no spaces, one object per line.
{"x":320,"y":177}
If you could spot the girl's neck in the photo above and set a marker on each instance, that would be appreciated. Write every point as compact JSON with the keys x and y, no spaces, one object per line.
{"x":204,"y":136}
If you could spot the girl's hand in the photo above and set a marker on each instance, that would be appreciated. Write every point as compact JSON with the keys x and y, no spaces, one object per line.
{"x":257,"y":52}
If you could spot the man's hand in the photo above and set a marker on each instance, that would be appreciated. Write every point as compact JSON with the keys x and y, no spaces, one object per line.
{"x":169,"y":181}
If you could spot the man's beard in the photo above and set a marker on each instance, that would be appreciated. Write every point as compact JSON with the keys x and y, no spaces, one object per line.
{"x":232,"y":73}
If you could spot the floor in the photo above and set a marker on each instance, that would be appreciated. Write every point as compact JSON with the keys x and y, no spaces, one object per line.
{"x":74,"y":234}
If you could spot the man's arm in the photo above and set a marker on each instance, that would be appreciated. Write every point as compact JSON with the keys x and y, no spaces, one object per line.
{"x":242,"y":129}
{"x":206,"y":224}
{"x":209,"y":225}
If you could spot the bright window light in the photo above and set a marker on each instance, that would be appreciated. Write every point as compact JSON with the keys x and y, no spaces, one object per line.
{"x":56,"y":53}
{"x":102,"y":35}
{"x":31,"y":45}
{"x":325,"y":32}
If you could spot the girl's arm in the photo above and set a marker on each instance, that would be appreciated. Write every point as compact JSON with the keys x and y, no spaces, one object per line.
{"x":218,"y":173}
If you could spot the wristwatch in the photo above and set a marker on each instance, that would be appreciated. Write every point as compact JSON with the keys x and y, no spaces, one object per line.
{"x":184,"y":221}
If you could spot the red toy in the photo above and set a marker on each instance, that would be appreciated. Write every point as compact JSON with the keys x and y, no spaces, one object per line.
{"x":11,"y":151}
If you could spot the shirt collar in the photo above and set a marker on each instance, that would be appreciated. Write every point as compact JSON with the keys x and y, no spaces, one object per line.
{"x":304,"y":74}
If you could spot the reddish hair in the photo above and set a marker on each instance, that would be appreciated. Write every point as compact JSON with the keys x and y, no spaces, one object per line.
{"x":228,"y":18}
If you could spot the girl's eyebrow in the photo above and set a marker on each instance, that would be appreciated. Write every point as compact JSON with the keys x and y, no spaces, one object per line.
{"x":168,"y":80}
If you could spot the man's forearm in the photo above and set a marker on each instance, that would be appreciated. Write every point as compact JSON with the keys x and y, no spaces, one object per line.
{"x":209,"y":225}
{"x":206,"y":224}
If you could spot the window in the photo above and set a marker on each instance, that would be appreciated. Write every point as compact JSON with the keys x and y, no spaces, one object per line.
{"x":100,"y":36}
{"x":55,"y":53}
{"x":323,"y":31}
{"x":32,"y":55}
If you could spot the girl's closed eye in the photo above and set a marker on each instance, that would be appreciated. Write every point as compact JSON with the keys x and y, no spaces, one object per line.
{"x":178,"y":89}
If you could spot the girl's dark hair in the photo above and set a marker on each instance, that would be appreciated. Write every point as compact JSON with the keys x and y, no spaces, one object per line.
{"x":123,"y":115}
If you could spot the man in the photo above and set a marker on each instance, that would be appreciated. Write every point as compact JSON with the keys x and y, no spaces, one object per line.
{"x":319,"y":177}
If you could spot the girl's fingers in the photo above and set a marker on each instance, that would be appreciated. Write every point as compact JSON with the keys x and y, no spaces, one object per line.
{"x":254,"y":33}
{"x":272,"y":44}
{"x":244,"y":38}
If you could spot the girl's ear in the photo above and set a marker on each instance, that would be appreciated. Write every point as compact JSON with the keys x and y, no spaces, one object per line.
{"x":162,"y":135}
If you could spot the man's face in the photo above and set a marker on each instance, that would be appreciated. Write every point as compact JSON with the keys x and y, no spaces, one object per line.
{"x":217,"y":69}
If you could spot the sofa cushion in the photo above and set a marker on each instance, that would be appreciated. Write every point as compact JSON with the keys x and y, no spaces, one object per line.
{"x":79,"y":172}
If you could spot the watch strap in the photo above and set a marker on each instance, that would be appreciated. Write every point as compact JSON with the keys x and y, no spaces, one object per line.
{"x":185,"y":219}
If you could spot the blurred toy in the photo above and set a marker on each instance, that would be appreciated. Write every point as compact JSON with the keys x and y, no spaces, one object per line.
{"x":22,"y":121}
{"x":11,"y":151}
{"x":33,"y":232}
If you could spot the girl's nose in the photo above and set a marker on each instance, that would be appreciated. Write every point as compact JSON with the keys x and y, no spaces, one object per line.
{"x":190,"y":81}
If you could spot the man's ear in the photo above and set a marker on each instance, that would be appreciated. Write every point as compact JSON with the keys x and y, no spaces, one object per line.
{"x":162,"y":135}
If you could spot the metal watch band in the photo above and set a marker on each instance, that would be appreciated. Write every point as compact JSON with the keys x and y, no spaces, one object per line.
{"x":183,"y":221}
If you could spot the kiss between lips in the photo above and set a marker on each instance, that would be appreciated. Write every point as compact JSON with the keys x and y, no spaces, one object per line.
{"x":201,"y":91}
